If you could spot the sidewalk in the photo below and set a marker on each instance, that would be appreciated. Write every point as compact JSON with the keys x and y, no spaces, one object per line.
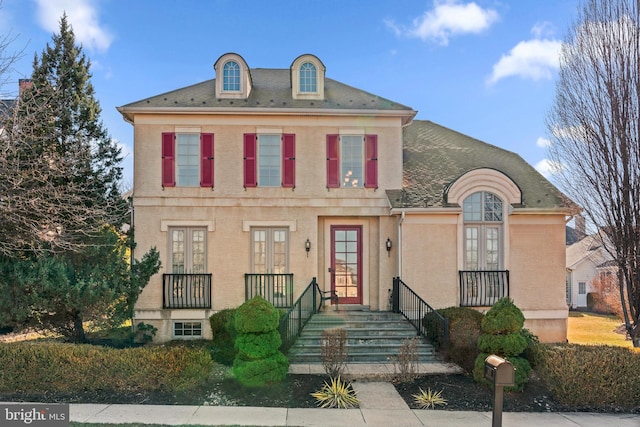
{"x":369,"y":417}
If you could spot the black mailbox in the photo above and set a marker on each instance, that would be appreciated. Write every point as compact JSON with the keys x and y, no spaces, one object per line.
{"x":499,"y":371}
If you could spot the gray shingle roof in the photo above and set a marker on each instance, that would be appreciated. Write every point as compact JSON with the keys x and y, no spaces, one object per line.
{"x":271,"y":89}
{"x":435,"y":156}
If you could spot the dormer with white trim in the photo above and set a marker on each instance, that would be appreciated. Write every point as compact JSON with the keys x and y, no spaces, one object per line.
{"x":307,"y":77}
{"x":233,"y":77}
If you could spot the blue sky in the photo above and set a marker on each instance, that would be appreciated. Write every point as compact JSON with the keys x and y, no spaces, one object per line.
{"x":486,"y":68}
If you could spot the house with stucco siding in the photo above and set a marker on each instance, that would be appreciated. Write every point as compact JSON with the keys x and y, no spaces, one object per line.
{"x":264,"y":180}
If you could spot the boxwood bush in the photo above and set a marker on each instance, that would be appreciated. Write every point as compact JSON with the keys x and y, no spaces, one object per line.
{"x":591,"y":376}
{"x":259,"y":360}
{"x":464,"y":330}
{"x":54,"y":367}
{"x":224,"y":336}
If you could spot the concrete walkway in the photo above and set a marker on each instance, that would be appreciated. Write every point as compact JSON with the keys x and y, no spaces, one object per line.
{"x":380,"y":405}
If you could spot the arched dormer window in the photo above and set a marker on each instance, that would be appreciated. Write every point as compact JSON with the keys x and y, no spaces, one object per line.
{"x":308,"y":78}
{"x":231,"y":77}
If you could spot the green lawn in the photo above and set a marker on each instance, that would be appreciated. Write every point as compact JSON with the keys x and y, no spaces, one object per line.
{"x":592,"y":328}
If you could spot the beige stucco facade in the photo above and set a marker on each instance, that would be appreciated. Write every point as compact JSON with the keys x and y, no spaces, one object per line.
{"x":427,"y":243}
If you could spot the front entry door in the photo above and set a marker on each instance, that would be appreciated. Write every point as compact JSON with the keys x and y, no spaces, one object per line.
{"x":346,"y":263}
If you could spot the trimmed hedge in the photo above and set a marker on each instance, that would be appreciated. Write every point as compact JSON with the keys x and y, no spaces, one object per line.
{"x":591,"y":376}
{"x":44,"y":367}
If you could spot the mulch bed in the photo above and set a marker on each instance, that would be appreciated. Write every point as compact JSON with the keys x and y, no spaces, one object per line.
{"x":460,"y":391}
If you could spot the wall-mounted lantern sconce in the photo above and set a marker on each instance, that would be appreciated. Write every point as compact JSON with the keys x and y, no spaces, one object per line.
{"x":388,"y":246}
{"x":307,"y":247}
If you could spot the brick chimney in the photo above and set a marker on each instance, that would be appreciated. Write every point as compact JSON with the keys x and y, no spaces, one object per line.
{"x":24,"y":84}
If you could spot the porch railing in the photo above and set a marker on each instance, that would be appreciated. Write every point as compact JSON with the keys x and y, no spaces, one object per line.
{"x":296,"y":318}
{"x":275,"y":288}
{"x":186,"y":290}
{"x":427,"y":321}
{"x":483,"y":288}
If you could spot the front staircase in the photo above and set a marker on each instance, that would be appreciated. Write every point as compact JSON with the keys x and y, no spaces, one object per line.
{"x":372,"y":337}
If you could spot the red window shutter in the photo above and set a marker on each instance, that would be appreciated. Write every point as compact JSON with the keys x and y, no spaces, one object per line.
{"x":206,"y":160}
{"x":289,"y":160}
{"x":371,"y":161}
{"x":333,"y":161}
{"x":250,"y":163}
{"x":168,"y":159}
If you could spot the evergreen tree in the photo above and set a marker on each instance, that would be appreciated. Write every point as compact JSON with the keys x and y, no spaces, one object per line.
{"x":62,"y":260}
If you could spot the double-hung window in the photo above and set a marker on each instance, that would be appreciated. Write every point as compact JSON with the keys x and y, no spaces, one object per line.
{"x":269,"y":160}
{"x":352,"y":161}
{"x":187,"y":159}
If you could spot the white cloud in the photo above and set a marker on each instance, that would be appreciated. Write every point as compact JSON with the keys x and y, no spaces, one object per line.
{"x":548,"y":168}
{"x":448,"y":18}
{"x":542,"y":29}
{"x":83,"y":17}
{"x":543,"y":142}
{"x":533,"y":59}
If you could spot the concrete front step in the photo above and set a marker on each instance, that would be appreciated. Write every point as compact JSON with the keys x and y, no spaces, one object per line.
{"x":372,"y":337}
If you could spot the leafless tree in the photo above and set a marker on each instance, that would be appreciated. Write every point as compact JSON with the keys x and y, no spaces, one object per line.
{"x":40,"y":207}
{"x":595,"y":126}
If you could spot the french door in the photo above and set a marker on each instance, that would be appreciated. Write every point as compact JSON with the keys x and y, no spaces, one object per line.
{"x":346,"y":263}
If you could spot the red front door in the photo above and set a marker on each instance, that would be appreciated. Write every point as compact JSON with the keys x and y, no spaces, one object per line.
{"x":346,"y":263}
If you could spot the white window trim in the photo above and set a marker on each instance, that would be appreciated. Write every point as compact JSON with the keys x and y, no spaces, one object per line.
{"x":166,"y":223}
{"x":248,"y":224}
{"x":245,"y":77}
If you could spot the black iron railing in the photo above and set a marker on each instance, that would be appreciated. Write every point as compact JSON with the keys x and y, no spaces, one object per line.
{"x":296,"y":318}
{"x":275,"y":288}
{"x":483,"y":288}
{"x":427,"y":321}
{"x":186,"y":290}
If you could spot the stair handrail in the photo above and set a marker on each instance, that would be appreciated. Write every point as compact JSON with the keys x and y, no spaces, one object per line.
{"x":296,"y":318}
{"x":427,"y":321}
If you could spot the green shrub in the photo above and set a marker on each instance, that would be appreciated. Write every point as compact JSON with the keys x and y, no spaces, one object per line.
{"x":503,"y":317}
{"x":258,"y":361}
{"x":464,"y":330}
{"x":53,"y":367}
{"x":591,"y":376}
{"x":256,"y":373}
{"x":502,"y":335}
{"x":224,"y":335}
{"x":256,"y":316}
{"x":511,"y":344}
{"x":258,"y":346}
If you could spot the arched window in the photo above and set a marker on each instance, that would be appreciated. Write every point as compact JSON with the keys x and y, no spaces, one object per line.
{"x":231,"y":77}
{"x":308,"y":78}
{"x":483,"y":217}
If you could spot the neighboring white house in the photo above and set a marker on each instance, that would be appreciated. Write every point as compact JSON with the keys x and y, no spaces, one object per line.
{"x":586,"y":260}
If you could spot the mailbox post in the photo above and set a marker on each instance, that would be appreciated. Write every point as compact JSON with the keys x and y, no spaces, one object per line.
{"x":501,"y":373}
